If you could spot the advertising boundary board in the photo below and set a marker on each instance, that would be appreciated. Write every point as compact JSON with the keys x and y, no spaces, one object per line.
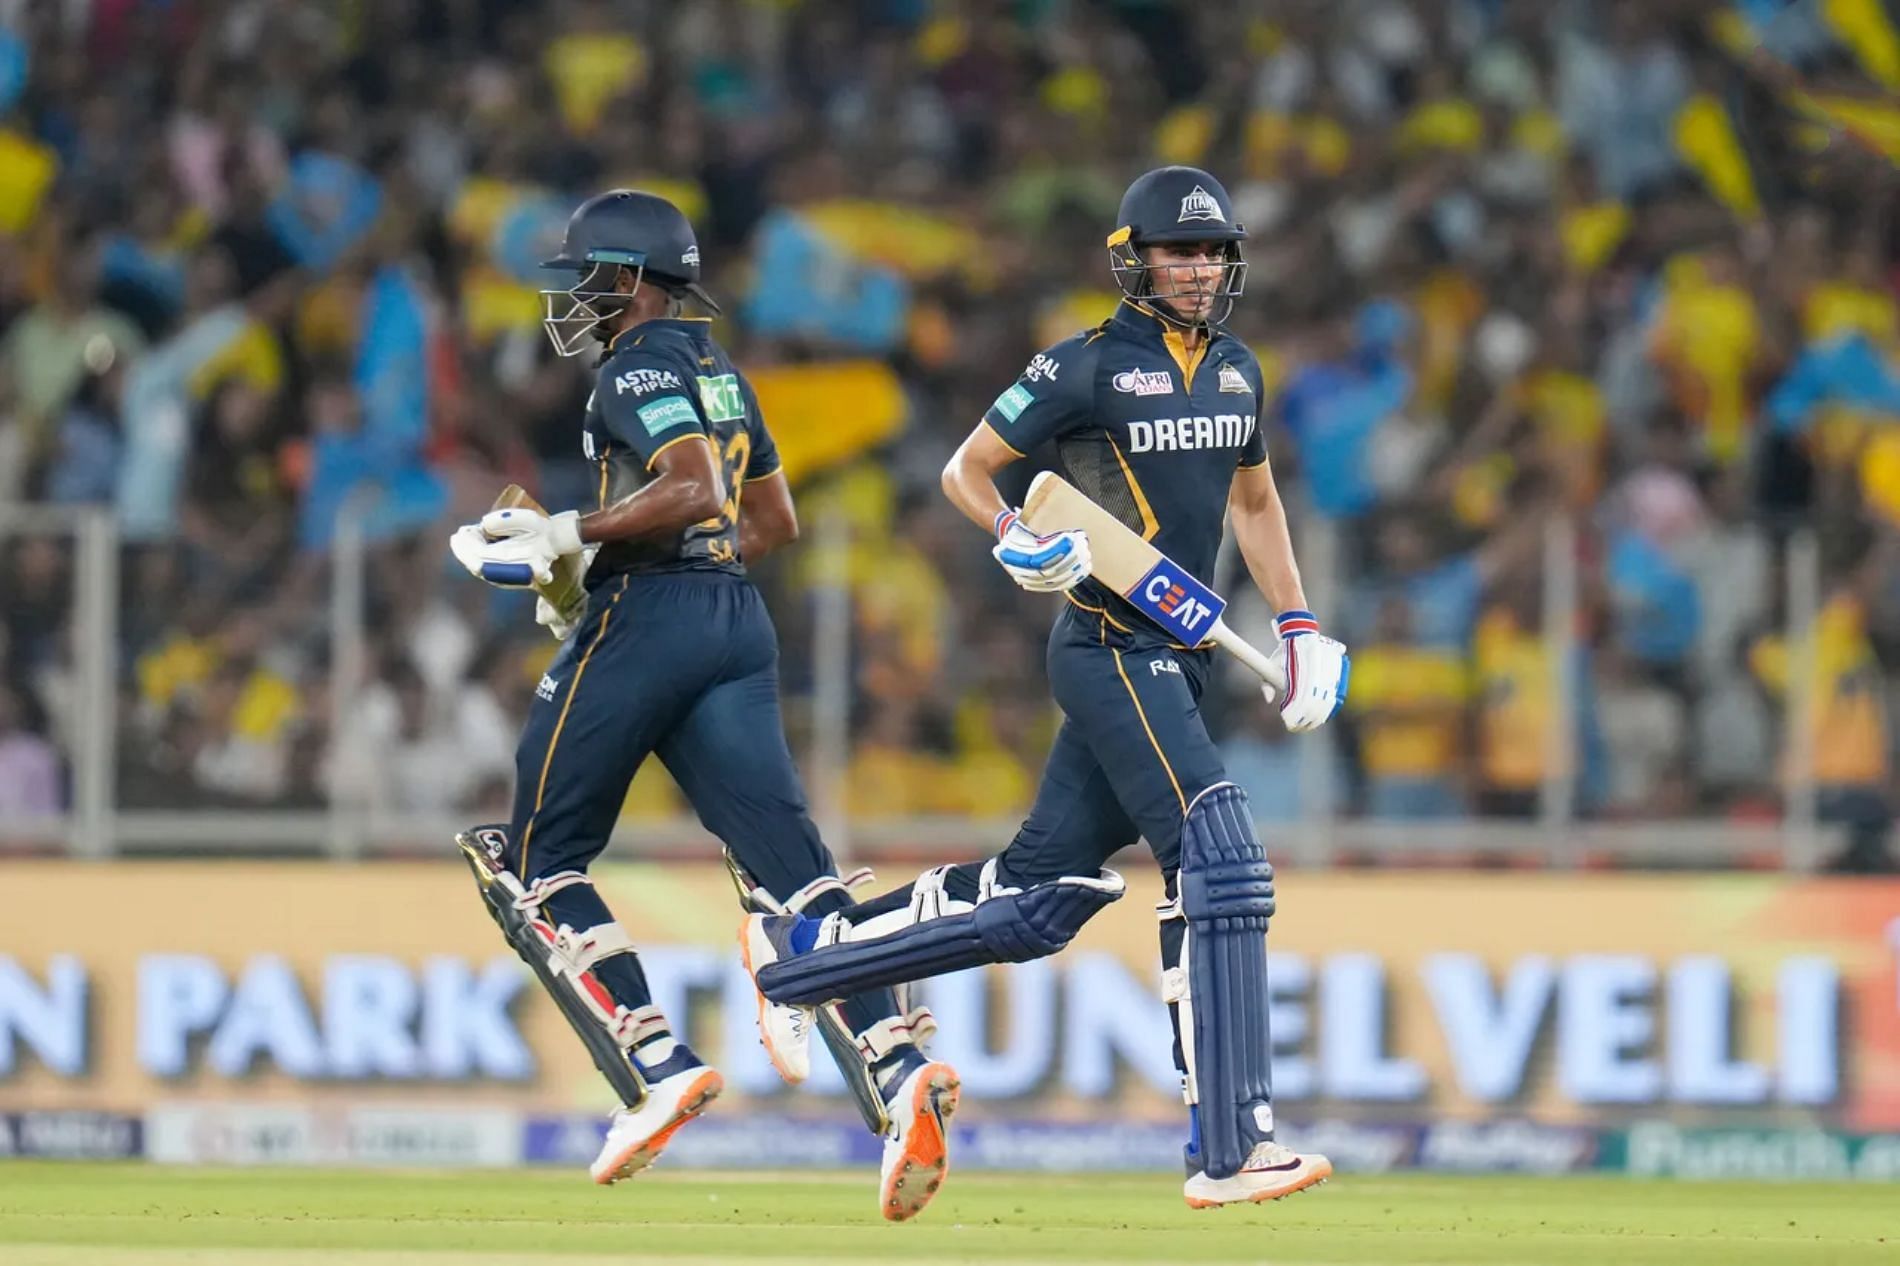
{"x":1468,"y":1000}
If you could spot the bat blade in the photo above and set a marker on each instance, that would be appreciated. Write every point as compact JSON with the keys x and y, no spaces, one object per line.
{"x":1124,"y":562}
{"x":1151,"y":581}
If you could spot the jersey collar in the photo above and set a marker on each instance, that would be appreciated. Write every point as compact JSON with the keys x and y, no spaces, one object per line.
{"x":697,"y":328}
{"x":1142,"y":324}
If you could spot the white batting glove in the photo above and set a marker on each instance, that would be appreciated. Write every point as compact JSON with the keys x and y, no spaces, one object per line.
{"x":559,"y":534}
{"x":515,"y":549}
{"x":1317,"y":670}
{"x":1041,"y":564}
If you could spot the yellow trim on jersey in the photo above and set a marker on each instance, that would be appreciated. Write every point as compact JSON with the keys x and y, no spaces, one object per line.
{"x":753,"y":479}
{"x":1177,"y":348}
{"x":560,"y":723}
{"x":999,"y":439}
{"x":600,"y":497}
{"x":1149,"y":524}
{"x":1142,"y":713}
{"x":1255,"y":466}
{"x":677,"y":439}
{"x":1101,"y":611}
{"x":1108,"y":619}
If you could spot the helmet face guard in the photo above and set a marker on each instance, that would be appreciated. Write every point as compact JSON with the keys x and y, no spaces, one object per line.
{"x":571,"y":317}
{"x":1150,"y":287}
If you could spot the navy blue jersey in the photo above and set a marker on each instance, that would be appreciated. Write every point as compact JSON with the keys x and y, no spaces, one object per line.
{"x":665,"y":382}
{"x":1146,"y":431}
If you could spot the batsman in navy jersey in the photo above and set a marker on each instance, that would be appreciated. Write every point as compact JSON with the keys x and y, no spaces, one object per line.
{"x":669,"y":652}
{"x":1155,"y":415}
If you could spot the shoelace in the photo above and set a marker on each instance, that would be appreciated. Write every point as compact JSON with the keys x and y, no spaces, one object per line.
{"x":1270,"y":1155}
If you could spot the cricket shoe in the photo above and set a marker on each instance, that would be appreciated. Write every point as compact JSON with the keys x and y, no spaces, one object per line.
{"x":917,"y":1148}
{"x":636,"y":1136}
{"x":784,"y":1030}
{"x":1272,"y":1170}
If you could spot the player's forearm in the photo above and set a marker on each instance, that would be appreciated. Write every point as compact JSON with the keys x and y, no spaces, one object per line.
{"x":666,"y":507}
{"x":969,"y":481}
{"x":1267,"y":545}
{"x":759,"y":536}
{"x":770,"y":519}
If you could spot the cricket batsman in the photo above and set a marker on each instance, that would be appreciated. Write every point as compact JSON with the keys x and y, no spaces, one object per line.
{"x":1155,"y":416}
{"x":668,"y":649}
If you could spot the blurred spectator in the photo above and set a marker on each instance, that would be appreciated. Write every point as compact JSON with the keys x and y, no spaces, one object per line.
{"x":1515,"y":687}
{"x":30,"y":784}
{"x":1270,"y":766}
{"x":1645,"y":733}
{"x":1335,"y":407}
{"x":1618,"y":92}
{"x":48,"y":351}
{"x":1844,"y":741}
{"x":1410,"y":700}
{"x":1655,"y":606}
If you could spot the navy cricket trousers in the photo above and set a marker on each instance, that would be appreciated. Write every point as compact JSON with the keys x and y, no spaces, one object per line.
{"x":1132,"y":753}
{"x":683,"y":665}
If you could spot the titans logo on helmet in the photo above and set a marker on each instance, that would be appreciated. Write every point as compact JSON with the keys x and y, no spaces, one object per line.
{"x":1200,"y":205}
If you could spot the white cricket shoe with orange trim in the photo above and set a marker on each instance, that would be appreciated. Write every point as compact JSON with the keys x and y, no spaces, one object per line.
{"x":637,"y":1135}
{"x":784,"y":1030}
{"x":1272,"y":1170}
{"x":917,"y":1150}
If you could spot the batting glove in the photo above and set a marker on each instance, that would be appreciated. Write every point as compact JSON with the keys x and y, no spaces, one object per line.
{"x":1041,"y":564}
{"x":1316,"y":668}
{"x":516,"y":548}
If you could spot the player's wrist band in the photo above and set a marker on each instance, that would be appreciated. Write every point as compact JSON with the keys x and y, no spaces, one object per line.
{"x":1004,"y":518}
{"x":1294,"y":623}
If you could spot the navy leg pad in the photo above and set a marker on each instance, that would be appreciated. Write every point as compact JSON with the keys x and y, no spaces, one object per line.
{"x":1226,"y":890}
{"x":1008,"y":928}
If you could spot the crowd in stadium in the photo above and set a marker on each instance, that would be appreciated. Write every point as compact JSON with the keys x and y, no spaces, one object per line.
{"x":268,"y":265}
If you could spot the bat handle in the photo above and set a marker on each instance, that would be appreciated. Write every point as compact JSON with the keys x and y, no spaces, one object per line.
{"x":1244,"y":651}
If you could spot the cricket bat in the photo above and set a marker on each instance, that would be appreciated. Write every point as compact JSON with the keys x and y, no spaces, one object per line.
{"x":1147,"y":578}
{"x":568,"y":571}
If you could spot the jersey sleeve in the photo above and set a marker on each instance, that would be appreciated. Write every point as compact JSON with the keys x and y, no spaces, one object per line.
{"x":1053,"y":396}
{"x":648,"y":405}
{"x":1253,"y":453}
{"x":763,"y":462}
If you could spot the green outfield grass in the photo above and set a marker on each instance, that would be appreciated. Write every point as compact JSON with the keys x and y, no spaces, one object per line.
{"x":116,"y":1215}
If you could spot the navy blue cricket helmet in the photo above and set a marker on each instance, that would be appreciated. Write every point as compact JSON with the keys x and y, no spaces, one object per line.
{"x":622,"y":228}
{"x":1176,"y":204}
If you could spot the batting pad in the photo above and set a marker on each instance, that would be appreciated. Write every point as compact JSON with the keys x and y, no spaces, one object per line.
{"x":1226,"y":890}
{"x":1010,"y":927}
{"x":483,"y":848}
